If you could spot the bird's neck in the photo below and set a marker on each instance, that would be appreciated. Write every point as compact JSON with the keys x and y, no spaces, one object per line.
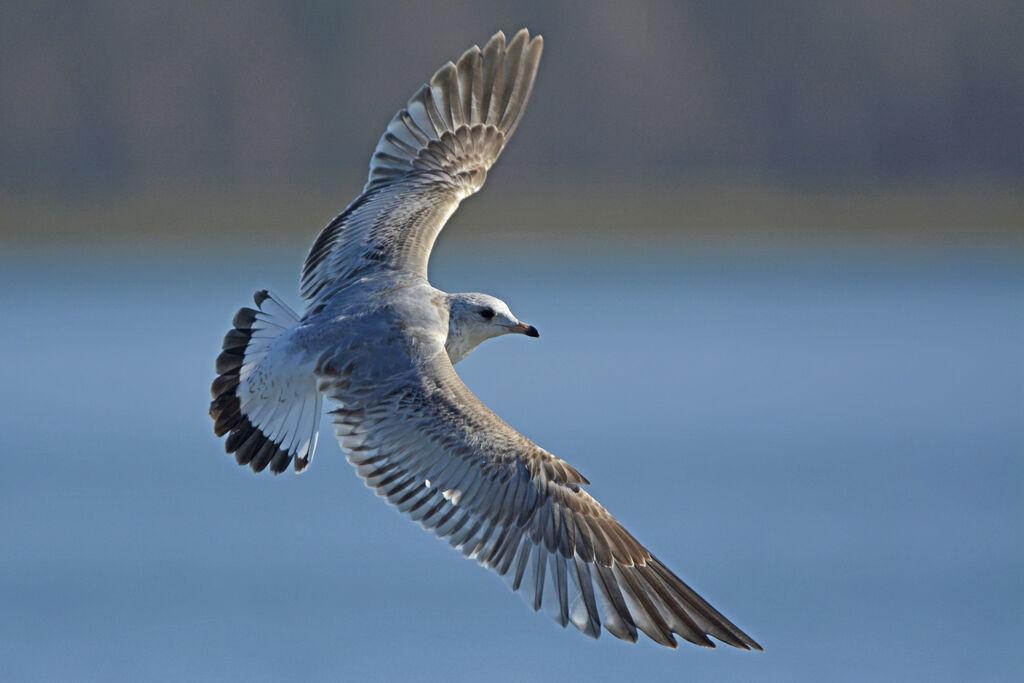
{"x":459,"y":344}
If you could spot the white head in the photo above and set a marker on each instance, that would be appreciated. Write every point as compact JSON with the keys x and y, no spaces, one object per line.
{"x":474,"y":318}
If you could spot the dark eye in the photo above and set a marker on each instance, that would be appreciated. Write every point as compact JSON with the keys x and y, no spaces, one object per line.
{"x":487,"y":313}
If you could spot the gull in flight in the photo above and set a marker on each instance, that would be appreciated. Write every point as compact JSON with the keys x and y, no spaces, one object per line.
{"x":379,"y":342}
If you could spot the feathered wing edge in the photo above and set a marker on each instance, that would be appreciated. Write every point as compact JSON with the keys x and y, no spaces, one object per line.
{"x":435,"y":152}
{"x":460,"y":121}
{"x":470,"y":478}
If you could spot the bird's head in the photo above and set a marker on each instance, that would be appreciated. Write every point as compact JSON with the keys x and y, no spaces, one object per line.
{"x":473,"y":318}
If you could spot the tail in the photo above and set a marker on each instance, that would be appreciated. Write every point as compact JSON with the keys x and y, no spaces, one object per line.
{"x":263,"y":394}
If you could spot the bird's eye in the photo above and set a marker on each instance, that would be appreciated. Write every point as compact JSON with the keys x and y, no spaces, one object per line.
{"x":487,"y":313}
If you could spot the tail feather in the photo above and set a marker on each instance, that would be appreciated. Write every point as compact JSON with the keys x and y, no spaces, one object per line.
{"x":263,"y":398}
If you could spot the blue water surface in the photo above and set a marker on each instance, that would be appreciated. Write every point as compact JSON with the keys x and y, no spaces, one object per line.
{"x":828,"y":445}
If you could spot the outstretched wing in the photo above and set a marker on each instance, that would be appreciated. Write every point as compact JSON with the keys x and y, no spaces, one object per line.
{"x":424,"y":442}
{"x":434,"y":154}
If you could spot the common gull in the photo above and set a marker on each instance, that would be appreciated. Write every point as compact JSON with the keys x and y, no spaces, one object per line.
{"x":379,"y":342}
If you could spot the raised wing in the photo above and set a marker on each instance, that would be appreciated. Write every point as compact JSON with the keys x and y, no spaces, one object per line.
{"x":424,"y":442}
{"x":434,"y":154}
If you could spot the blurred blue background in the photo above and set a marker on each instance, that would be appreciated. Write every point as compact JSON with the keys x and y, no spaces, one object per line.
{"x":775,"y":256}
